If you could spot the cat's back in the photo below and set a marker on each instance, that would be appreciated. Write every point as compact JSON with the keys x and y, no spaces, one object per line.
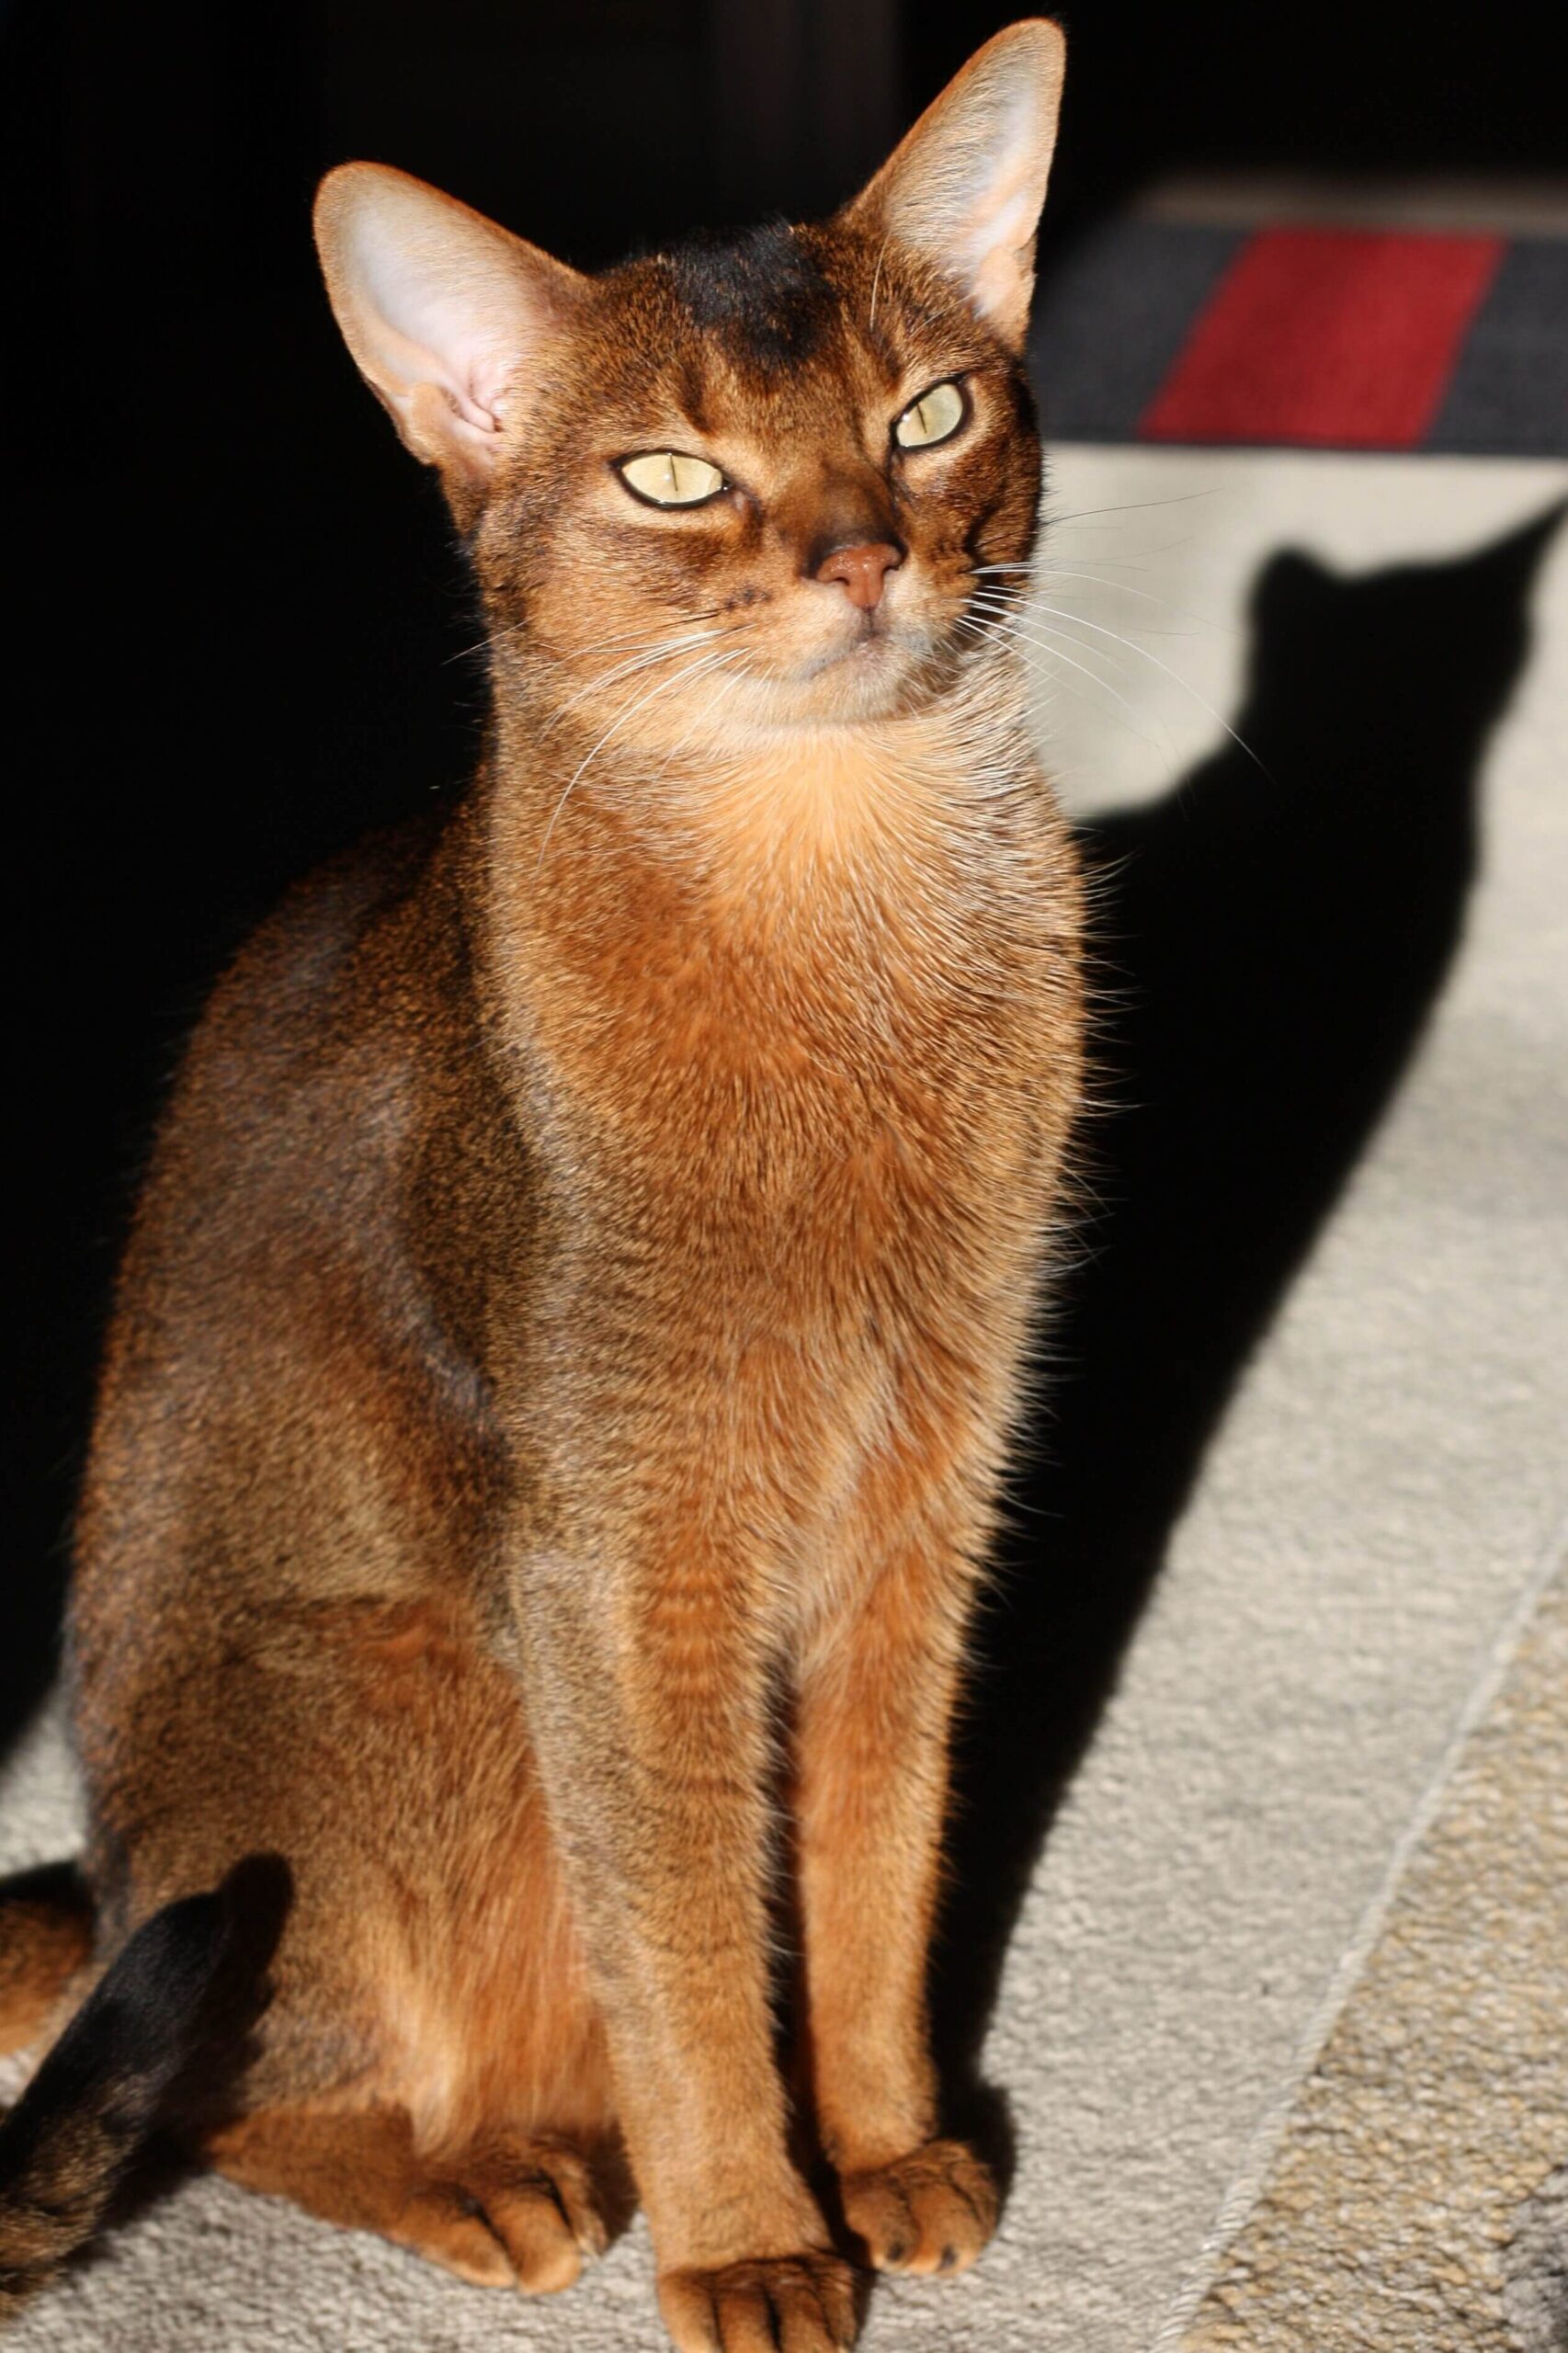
{"x":308,"y":1045}
{"x":298,"y":981}
{"x":294,"y":1343}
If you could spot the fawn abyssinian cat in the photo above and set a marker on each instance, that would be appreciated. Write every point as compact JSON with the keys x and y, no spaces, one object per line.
{"x":563,"y":1363}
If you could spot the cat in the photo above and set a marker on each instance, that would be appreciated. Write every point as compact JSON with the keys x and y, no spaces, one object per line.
{"x":550,"y":1422}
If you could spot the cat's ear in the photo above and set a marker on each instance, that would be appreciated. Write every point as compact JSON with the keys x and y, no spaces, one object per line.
{"x":965,"y":188}
{"x":444,"y":313}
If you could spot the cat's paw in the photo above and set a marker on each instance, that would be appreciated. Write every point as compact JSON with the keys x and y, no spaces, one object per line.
{"x":932,"y":2210}
{"x":800,"y":2304}
{"x":515,"y":2213}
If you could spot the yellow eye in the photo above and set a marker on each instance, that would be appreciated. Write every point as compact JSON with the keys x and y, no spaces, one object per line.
{"x":934,"y":417}
{"x":666,"y":478}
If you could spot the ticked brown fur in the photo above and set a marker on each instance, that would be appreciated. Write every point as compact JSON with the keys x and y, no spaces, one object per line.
{"x":566,"y":1356}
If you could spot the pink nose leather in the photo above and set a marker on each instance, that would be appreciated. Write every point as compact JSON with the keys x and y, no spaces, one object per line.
{"x":861,"y":571}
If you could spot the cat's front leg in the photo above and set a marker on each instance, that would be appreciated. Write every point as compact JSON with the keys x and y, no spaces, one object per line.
{"x":875,"y":1711}
{"x":650,"y":1696}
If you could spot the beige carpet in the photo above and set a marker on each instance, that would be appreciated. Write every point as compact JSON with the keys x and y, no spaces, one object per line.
{"x":1257,"y":2087}
{"x":1416,"y":2198}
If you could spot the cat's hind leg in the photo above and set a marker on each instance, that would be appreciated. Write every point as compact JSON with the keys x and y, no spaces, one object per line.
{"x":46,"y":1946}
{"x":510,"y":2211}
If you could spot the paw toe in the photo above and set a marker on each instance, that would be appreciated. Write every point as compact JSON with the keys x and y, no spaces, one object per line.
{"x":930,"y":2211}
{"x":513,"y":2213}
{"x":802,"y":2304}
{"x":539,"y":2199}
{"x":539,"y":2241}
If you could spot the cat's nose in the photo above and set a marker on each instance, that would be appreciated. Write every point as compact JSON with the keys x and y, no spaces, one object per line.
{"x":862,"y":571}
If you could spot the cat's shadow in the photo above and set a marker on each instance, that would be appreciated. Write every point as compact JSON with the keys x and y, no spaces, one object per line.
{"x":1270,"y":941}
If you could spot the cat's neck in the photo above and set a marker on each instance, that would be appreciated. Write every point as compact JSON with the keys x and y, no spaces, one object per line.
{"x":851,"y":902}
{"x":760,"y":808}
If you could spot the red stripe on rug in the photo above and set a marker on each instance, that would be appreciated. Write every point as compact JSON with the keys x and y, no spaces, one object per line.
{"x":1340,"y":336}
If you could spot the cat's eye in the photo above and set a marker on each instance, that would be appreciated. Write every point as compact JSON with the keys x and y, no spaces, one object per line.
{"x":934,"y":417}
{"x":667,"y":478}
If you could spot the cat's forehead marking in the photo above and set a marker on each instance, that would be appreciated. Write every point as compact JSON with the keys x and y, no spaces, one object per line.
{"x":764,"y":297}
{"x":762,"y":336}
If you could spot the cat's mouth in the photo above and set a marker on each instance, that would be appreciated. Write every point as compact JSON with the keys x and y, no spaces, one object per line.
{"x":871,"y":670}
{"x":869,"y":663}
{"x":873,"y":637}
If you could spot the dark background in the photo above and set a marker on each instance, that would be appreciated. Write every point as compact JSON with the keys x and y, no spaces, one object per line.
{"x":241,"y":630}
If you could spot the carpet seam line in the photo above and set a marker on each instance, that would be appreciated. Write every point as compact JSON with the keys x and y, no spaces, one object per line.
{"x":1249,"y":2183}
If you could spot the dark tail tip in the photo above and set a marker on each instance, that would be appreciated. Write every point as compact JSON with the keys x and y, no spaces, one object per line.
{"x":65,"y":2147}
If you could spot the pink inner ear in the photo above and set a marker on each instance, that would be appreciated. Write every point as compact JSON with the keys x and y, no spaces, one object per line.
{"x":995,"y":231}
{"x":440,"y":308}
{"x":410,"y":369}
{"x":966,"y":184}
{"x":436,"y":414}
{"x":424,"y":336}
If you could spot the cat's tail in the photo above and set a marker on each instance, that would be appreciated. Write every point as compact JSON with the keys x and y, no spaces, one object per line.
{"x":66,"y":2145}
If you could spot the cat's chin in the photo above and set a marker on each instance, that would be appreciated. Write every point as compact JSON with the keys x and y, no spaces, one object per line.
{"x":878,"y":676}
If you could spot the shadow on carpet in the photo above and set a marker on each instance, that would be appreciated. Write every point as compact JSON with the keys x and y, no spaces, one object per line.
{"x":1271,"y":937}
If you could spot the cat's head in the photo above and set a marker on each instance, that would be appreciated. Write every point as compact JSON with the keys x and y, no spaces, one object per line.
{"x":782,"y":456}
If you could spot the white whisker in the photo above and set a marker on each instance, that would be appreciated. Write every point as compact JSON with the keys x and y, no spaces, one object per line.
{"x":608,"y":645}
{"x":1024,"y":618}
{"x":1008,"y":627}
{"x":876,"y":281}
{"x":633,"y":662}
{"x":1202,"y":700}
{"x":693,"y":670}
{"x":1052,"y":654}
{"x":737,"y":678}
{"x":1045,"y":568}
{"x":1135,"y":506}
